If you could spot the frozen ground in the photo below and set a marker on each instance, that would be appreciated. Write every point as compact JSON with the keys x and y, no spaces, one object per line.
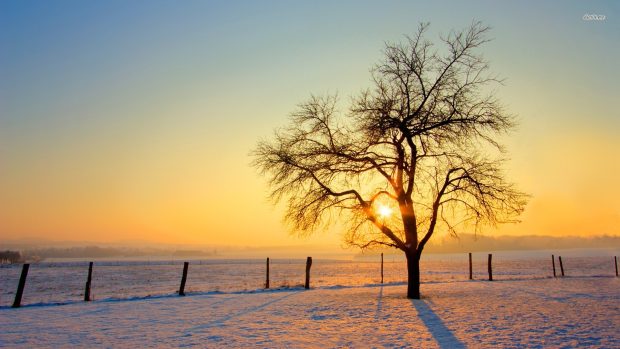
{"x":538,"y":313}
{"x":62,"y":282}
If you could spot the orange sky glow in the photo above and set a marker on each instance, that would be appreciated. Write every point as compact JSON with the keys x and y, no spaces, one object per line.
{"x":125,"y":124}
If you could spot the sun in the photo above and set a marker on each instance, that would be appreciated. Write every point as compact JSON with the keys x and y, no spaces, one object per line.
{"x":384,"y":211}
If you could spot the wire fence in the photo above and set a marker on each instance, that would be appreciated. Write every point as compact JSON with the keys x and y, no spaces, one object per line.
{"x":62,"y":282}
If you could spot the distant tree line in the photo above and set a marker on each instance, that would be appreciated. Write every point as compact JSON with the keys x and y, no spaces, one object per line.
{"x":111,"y":252}
{"x":478,"y":243}
{"x":10,"y":257}
{"x":77,"y":252}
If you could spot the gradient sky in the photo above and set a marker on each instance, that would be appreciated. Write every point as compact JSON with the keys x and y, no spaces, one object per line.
{"x":132,"y":120}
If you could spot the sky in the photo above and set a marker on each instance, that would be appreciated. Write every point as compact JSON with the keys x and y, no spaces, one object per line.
{"x":132,"y":121}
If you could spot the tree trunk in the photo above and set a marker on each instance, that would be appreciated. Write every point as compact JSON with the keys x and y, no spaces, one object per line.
{"x":413,"y":275}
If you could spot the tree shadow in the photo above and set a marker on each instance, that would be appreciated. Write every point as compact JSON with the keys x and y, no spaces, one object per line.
{"x":442,"y":335}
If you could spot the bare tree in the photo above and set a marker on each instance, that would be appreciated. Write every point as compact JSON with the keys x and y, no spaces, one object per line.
{"x":422,"y":141}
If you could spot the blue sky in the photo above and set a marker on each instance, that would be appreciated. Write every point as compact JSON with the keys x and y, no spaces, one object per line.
{"x":133,"y":119}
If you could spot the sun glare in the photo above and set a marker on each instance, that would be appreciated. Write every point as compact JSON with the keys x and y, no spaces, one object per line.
{"x":384,"y":211}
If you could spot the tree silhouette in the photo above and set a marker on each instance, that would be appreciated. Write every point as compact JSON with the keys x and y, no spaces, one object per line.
{"x":10,"y":256}
{"x":423,"y":141}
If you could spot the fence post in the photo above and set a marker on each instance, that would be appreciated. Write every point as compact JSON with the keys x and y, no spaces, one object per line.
{"x":183,"y":279}
{"x":561,"y":265}
{"x":553,"y":264}
{"x":490,"y":268}
{"x":267,"y":276}
{"x":616,"y":263}
{"x":20,"y":287}
{"x":308,"y":265}
{"x":88,"y":280}
{"x":382,"y":267}
{"x":471,"y":269}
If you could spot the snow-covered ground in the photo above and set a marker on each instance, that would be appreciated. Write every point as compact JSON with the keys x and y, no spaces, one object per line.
{"x":536,"y":313}
{"x":62,"y":282}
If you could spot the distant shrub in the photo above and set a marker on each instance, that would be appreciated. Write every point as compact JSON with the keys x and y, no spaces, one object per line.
{"x":10,"y":257}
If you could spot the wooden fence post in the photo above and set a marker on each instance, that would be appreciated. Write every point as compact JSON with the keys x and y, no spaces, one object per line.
{"x":20,"y":287}
{"x":561,"y":265}
{"x":471,"y":269}
{"x":553,"y":264}
{"x":88,"y":280}
{"x":267,"y":276}
{"x":616,"y":263}
{"x":183,"y":279}
{"x":382,"y":268}
{"x":308,"y":265}
{"x":490,"y":268}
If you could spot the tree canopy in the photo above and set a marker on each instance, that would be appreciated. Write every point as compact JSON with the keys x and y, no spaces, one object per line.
{"x":422,"y":140}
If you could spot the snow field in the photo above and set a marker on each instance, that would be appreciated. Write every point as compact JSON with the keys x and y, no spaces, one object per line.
{"x":579,"y":312}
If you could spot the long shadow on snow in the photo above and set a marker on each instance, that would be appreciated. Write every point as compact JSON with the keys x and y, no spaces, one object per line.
{"x":150,"y":297}
{"x":221,"y":321}
{"x":379,"y":304}
{"x":443,"y":336}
